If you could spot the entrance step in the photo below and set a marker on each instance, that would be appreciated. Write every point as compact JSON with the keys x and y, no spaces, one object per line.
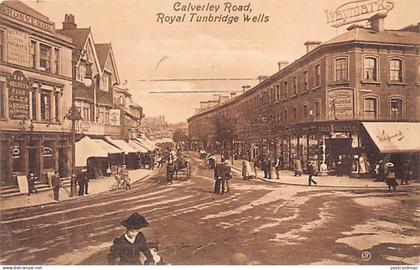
{"x":12,"y":190}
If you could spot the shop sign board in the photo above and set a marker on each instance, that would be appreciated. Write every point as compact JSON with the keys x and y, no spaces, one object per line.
{"x":114,"y":117}
{"x":25,"y":18}
{"x":18,"y":86}
{"x":357,"y":11}
{"x":18,"y":46}
{"x":340,"y":103}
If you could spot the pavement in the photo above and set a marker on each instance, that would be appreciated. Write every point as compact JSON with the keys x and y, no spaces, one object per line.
{"x":46,"y":197}
{"x":286,"y":177}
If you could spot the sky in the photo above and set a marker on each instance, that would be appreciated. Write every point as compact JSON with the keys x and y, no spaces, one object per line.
{"x":147,"y":50}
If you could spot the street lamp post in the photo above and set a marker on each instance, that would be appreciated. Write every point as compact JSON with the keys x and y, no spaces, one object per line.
{"x":74,"y":115}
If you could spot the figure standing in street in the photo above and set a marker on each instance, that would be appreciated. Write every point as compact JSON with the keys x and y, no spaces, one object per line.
{"x":170,"y":170}
{"x":406,"y":172}
{"x":81,"y":178}
{"x":269,"y":167}
{"x":56,"y":184}
{"x":263,"y":165}
{"x":126,"y":248}
{"x":31,"y":183}
{"x":86,"y":184}
{"x":390,"y":176}
{"x":311,"y":174}
{"x":278,"y":167}
{"x":340,"y":166}
{"x":298,"y":167}
{"x":221,"y":173}
{"x":256,"y":166}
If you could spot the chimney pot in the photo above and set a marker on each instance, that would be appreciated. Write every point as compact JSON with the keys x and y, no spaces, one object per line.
{"x":245,"y":88}
{"x":377,"y":22}
{"x":282,"y":64}
{"x":310,"y":45}
{"x":69,"y":22}
{"x":262,"y":78}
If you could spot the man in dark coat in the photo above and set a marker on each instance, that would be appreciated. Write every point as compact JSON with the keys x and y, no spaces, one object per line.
{"x":311,"y":172}
{"x":81,"y":179}
{"x":126,"y":248}
{"x":31,"y":183}
{"x":56,"y":184}
{"x":220,"y":176}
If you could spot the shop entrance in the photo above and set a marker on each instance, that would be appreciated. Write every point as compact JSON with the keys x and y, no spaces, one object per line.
{"x":62,"y":162}
{"x":336,"y":147}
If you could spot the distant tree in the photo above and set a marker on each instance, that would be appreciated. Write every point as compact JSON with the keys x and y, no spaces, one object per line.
{"x":179,"y":136}
{"x":224,"y":131}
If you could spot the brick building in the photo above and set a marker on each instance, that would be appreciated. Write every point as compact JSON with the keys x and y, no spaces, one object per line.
{"x":356,"y":95}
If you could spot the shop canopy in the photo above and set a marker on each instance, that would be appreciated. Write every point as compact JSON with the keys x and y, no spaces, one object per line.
{"x":145,"y":145}
{"x":147,"y":142}
{"x":86,"y":148}
{"x":110,"y":149}
{"x":124,"y":146}
{"x":394,"y":137}
{"x":136,"y":145}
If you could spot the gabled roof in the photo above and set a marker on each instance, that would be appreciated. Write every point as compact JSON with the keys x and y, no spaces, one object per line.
{"x":25,"y":9}
{"x":105,"y":54}
{"x":361,"y":34}
{"x":79,"y":35}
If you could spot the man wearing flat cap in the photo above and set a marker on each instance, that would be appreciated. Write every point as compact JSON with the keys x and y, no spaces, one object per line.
{"x":126,"y":248}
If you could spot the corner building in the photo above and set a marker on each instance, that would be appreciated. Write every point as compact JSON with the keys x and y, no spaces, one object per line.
{"x":35,"y":94}
{"x":356,"y":96}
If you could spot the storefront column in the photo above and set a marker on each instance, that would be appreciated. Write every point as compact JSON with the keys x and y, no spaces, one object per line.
{"x":39,"y":152}
{"x":55,"y":154}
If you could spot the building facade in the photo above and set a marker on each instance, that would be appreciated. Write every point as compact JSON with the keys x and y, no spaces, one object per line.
{"x":35,"y":94}
{"x":322,"y":105}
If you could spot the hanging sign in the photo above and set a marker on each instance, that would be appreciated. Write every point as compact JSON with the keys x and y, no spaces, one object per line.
{"x":18,"y":87}
{"x":357,"y":11}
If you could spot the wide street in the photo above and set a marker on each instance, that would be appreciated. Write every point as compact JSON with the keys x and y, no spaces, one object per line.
{"x":268,"y":222}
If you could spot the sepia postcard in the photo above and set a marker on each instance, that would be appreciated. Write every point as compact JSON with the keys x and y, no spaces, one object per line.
{"x":209,"y":133}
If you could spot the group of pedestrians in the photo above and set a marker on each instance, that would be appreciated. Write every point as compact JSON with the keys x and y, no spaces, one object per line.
{"x":222,"y":176}
{"x":82,"y":180}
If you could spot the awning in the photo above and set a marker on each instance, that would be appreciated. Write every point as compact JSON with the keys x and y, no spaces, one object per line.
{"x":122,"y":145}
{"x":86,"y":148}
{"x":145,"y":145}
{"x":394,"y":137}
{"x":139,"y":148}
{"x":110,"y":149}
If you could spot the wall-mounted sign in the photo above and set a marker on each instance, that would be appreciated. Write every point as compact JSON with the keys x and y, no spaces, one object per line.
{"x":47,"y":151}
{"x":114,"y":117}
{"x":16,"y":152}
{"x":18,"y":45}
{"x":17,"y":15}
{"x":356,"y":11}
{"x":340,"y":103}
{"x":18,"y":87}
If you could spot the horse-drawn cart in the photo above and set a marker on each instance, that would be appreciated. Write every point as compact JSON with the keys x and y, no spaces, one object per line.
{"x":183,"y":168}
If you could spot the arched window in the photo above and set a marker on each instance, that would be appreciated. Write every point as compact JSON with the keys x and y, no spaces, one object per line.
{"x":395,"y":70}
{"x":370,"y":69}
{"x":396,"y":108}
{"x":371,"y":107}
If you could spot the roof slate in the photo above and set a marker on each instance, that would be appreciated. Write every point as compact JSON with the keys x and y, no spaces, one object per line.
{"x":79,"y":35}
{"x":102,"y":50}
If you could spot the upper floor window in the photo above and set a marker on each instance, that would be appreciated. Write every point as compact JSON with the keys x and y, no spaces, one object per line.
{"x":81,"y":71}
{"x":305,"y":111}
{"x":57,"y":61}
{"x":2,"y":97}
{"x":286,"y":89}
{"x":395,"y":70}
{"x":317,"y":75}
{"x":396,"y":108}
{"x":45,"y":105}
{"x":105,"y":82}
{"x":121,"y":100}
{"x":285,"y":115}
{"x":294,"y":86}
{"x":370,"y":69}
{"x":45,"y":57}
{"x":278,"y":92}
{"x":341,"y":69}
{"x":33,"y":54}
{"x":305,"y":81}
{"x":317,"y":109}
{"x":2,"y":45}
{"x":371,"y":107}
{"x":294,"y":114}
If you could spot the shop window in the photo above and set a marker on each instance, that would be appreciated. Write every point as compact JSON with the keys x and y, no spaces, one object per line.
{"x":106,"y":116}
{"x":305,"y":111}
{"x":57,"y":105}
{"x":57,"y":61}
{"x":45,"y":57}
{"x":105,"y":82}
{"x":101,"y":116}
{"x":317,"y":75}
{"x":2,"y":45}
{"x":395,"y":70}
{"x":341,"y":69}
{"x":396,"y":108}
{"x":371,"y":108}
{"x":305,"y":81}
{"x":278,"y":92}
{"x":370,"y":69}
{"x":2,"y":97}
{"x":33,"y":54}
{"x":92,"y":113}
{"x":47,"y":155}
{"x":45,"y":105}
{"x":294,"y":86}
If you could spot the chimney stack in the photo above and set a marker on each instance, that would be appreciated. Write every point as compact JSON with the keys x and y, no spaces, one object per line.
{"x":282,"y":64}
{"x":377,"y":22}
{"x":262,"y":78}
{"x":69,"y":23}
{"x":310,"y":45}
{"x":245,"y":88}
{"x":232,"y":94}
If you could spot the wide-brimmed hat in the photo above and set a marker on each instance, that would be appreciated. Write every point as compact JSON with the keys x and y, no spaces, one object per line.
{"x":135,"y":221}
{"x":389,"y":165}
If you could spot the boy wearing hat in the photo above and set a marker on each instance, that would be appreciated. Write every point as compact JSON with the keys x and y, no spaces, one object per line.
{"x":126,"y":248}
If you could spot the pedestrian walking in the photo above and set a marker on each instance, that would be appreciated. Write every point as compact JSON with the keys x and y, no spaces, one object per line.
{"x":256,"y":166}
{"x":269,"y":168}
{"x":263,"y":165}
{"x":81,"y":179}
{"x":126,"y":248}
{"x":390,"y":176}
{"x":340,"y":166}
{"x":298,"y":167}
{"x":221,"y":172}
{"x":246,"y":169}
{"x":228,"y":177}
{"x":31,"y":183}
{"x":56,"y":184}
{"x":311,"y":174}
{"x":406,"y":172}
{"x":170,"y":170}
{"x":277,"y":167}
